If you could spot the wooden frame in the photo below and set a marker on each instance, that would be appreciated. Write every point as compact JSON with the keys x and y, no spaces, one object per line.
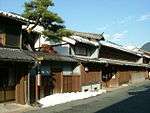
{"x":80,"y":50}
{"x":2,"y":39}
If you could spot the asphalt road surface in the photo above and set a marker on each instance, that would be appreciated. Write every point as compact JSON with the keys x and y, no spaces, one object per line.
{"x":132,"y":99}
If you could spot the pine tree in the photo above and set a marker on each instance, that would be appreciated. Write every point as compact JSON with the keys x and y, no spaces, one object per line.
{"x":39,"y":11}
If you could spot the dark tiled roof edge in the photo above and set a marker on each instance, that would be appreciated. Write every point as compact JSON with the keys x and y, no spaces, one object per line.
{"x":10,"y":54}
{"x":15,"y":17}
{"x":51,"y":57}
{"x":89,"y":35}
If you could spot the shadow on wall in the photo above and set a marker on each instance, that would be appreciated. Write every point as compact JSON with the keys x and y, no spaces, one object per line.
{"x":139,"y":102}
{"x":108,"y":73}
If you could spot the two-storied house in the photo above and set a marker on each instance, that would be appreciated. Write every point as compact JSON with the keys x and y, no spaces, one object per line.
{"x":103,"y":63}
{"x":14,"y":62}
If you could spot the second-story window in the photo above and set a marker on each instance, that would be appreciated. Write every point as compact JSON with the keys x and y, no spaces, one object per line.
{"x":80,"y":50}
{"x":10,"y":32}
{"x":12,"y":36}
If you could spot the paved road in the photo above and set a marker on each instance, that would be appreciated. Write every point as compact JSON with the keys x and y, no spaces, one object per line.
{"x":132,"y":99}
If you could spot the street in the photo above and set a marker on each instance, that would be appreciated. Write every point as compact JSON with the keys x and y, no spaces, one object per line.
{"x":132,"y":99}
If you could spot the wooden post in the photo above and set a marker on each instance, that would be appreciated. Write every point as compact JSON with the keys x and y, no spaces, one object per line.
{"x":20,"y":46}
{"x":28,"y":89}
{"x":61,"y":82}
{"x":38,"y":83}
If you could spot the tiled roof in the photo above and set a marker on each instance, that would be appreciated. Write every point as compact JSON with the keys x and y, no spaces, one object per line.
{"x":88,"y":35}
{"x":119,"y":47}
{"x":9,"y":54}
{"x":51,"y":57}
{"x":111,"y":61}
{"x":16,"y":17}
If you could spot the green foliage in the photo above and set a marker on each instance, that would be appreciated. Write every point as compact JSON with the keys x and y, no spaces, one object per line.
{"x":39,"y":11}
{"x":56,"y":36}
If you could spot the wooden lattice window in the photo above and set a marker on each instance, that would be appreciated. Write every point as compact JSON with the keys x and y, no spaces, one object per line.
{"x":80,"y":50}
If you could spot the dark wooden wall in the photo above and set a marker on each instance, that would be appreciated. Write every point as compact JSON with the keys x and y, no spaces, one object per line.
{"x":124,"y":77}
{"x":7,"y":92}
{"x":71,"y":83}
{"x":112,"y":53}
{"x":13,"y":82}
{"x":114,"y":75}
{"x":57,"y":82}
{"x":93,"y":75}
{"x":12,"y":29}
{"x":21,"y":89}
{"x":137,"y":76}
{"x":121,"y":77}
{"x":32,"y":89}
{"x":113,"y":82}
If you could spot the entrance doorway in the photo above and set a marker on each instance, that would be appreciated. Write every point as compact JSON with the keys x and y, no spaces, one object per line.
{"x":7,"y":86}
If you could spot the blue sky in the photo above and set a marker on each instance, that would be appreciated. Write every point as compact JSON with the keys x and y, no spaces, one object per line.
{"x":126,"y":22}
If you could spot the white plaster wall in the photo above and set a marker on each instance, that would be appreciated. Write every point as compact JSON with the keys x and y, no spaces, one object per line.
{"x":72,"y":52}
{"x":91,"y":87}
{"x":140,"y":60}
{"x":86,"y":88}
{"x":77,"y":70}
{"x":95,"y":54}
{"x":96,"y":87}
{"x":40,"y":41}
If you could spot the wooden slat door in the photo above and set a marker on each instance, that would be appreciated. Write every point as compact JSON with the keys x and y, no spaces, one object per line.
{"x":3,"y":82}
{"x":71,"y":83}
{"x":7,"y":92}
{"x":46,"y":85}
{"x":57,"y":81}
{"x":21,"y":90}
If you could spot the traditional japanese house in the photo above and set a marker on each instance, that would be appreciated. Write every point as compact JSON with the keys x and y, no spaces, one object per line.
{"x":81,"y":76}
{"x":85,"y":48}
{"x":103,"y":63}
{"x":116,"y":64}
{"x":123,"y":66}
{"x":55,"y":74}
{"x":146,"y":60}
{"x":14,"y":62}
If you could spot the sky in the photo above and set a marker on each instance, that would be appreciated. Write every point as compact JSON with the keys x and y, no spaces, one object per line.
{"x":125,"y":22}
